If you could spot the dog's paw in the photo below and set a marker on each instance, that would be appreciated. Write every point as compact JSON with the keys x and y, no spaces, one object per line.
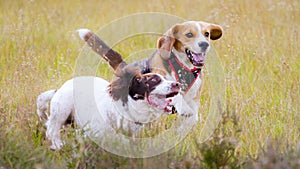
{"x":54,"y":147}
{"x":57,"y":145}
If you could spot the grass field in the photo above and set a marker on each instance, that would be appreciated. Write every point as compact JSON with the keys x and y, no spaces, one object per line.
{"x":259,"y":51}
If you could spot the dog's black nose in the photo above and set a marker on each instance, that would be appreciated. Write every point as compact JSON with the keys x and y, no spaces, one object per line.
{"x":203,"y":45}
{"x":175,"y":85}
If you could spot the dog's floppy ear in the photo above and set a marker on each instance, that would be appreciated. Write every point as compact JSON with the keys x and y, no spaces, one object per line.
{"x":165,"y":45}
{"x":215,"y":31}
{"x":119,"y":88}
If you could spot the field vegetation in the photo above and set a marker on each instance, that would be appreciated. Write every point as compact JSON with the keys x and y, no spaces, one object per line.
{"x":259,"y":51}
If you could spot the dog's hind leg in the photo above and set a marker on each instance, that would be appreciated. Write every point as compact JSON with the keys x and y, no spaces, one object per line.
{"x":42,"y":103}
{"x":59,"y":114}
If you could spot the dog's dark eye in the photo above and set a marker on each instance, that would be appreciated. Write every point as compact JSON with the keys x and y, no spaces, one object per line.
{"x":189,"y":35}
{"x":206,"y":34}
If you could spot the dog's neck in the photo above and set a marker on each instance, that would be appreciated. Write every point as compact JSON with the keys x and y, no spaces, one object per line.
{"x":131,"y":117}
{"x":138,"y":111}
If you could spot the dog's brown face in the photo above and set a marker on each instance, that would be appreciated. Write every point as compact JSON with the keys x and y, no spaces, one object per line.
{"x":190,"y":41}
{"x":151,"y":87}
{"x":142,"y":84}
{"x":154,"y":89}
{"x":152,"y":83}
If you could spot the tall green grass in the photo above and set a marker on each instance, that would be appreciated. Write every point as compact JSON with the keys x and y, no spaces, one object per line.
{"x":39,"y":47}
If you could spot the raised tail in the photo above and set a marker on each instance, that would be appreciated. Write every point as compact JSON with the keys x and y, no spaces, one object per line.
{"x":114,"y":58}
{"x":42,"y":103}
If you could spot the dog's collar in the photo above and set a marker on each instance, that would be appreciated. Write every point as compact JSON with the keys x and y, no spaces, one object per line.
{"x":183,"y":75}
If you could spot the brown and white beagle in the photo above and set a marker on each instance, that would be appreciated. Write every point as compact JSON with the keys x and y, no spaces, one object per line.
{"x":180,"y":56}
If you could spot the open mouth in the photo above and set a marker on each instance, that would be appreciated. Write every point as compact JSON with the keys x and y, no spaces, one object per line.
{"x":171,"y":94}
{"x":162,"y":101}
{"x":197,"y":59}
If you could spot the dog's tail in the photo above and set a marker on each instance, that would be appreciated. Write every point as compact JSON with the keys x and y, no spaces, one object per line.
{"x":114,"y":58}
{"x":42,"y":103}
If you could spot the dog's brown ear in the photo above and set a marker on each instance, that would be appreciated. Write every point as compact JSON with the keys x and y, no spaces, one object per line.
{"x":165,"y":45}
{"x":119,"y":88}
{"x":215,"y":31}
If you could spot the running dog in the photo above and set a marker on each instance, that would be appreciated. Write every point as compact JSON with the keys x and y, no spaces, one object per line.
{"x":180,"y":56}
{"x":126,"y":103}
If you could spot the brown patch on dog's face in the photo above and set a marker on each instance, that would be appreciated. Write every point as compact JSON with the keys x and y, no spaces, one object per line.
{"x":152,"y":80}
{"x":185,"y":35}
{"x":190,"y":35}
{"x":131,"y":82}
{"x":190,"y":44}
{"x":137,"y":88}
{"x":142,"y":85}
{"x":191,"y":41}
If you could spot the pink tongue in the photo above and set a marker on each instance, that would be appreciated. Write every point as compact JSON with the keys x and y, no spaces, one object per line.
{"x":198,"y":57}
{"x":157,"y":101}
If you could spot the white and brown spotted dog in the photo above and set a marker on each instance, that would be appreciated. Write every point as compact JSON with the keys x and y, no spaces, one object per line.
{"x":180,"y":56}
{"x":127,"y":103}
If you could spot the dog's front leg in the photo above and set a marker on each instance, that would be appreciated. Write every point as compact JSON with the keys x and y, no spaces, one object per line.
{"x":183,"y":108}
{"x":190,"y":112}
